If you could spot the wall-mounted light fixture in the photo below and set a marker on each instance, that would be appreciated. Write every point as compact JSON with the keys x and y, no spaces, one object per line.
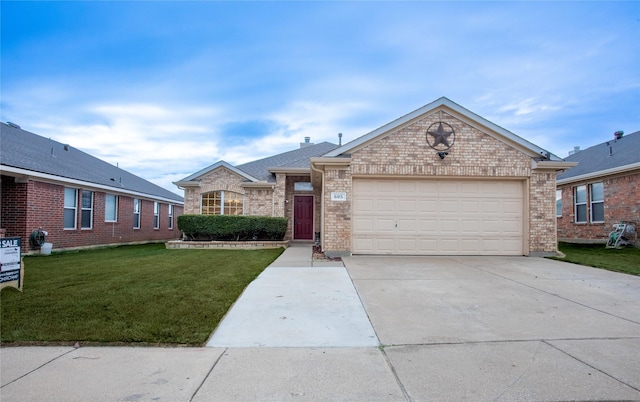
{"x":442,"y":154}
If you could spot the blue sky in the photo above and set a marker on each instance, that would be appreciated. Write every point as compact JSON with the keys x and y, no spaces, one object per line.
{"x":167,"y":88}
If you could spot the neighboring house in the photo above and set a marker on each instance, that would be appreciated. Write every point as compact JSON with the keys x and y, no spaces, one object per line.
{"x":78,"y":199}
{"x":603,"y":190}
{"x":439,"y":180}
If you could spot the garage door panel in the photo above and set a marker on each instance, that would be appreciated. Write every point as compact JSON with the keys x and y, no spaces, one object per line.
{"x":433,"y":217}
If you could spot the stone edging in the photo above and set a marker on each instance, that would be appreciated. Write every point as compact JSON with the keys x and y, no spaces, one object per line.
{"x":230,"y":245}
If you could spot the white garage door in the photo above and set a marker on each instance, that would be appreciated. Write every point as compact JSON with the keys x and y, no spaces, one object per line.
{"x":438,"y":217}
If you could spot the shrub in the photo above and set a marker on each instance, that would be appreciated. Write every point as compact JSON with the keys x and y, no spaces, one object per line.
{"x":231,"y":227}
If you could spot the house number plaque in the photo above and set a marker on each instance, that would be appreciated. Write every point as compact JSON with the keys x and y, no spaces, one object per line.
{"x":338,"y":196}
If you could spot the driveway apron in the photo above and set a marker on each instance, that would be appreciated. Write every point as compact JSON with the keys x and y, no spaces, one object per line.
{"x":503,"y":328}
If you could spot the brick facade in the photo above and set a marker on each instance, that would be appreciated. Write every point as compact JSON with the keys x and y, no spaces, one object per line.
{"x":621,"y":203}
{"x":35,"y":204}
{"x":479,"y":152}
{"x":275,"y":200}
{"x":405,"y":153}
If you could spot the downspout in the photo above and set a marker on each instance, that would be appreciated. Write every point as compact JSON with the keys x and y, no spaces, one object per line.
{"x":321,"y":205}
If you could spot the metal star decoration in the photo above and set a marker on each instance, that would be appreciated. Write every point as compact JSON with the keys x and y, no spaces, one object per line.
{"x":440,"y":136}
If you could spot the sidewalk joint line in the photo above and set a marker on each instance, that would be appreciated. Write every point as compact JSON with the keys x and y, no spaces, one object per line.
{"x":395,"y":375}
{"x":592,"y":366}
{"x":208,"y":374}
{"x":38,"y":368}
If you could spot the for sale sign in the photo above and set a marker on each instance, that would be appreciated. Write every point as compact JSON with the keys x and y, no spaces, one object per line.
{"x":10,"y":264}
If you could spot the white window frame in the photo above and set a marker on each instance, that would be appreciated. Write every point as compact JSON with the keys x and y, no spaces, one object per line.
{"x":88,"y":209}
{"x":136,"y":213}
{"x":576,"y":204}
{"x":222,"y":201}
{"x":156,"y":215}
{"x":593,"y":202}
{"x":113,"y":217}
{"x":558,"y":203}
{"x":170,"y":214}
{"x":73,"y":208}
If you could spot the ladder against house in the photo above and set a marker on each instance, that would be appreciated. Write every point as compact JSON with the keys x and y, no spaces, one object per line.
{"x":623,"y":234}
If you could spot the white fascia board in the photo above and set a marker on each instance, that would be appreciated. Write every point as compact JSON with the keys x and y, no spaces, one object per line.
{"x":552,"y":165}
{"x":29,"y":174}
{"x":534,"y":149}
{"x":216,"y":166}
{"x":289,"y":170}
{"x":600,"y":173}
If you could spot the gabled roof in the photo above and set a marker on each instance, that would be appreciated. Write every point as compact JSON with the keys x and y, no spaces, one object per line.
{"x":610,"y":157}
{"x":527,"y":146}
{"x":260,"y":170}
{"x":25,"y":154}
{"x":194,"y":177}
{"x":298,"y":158}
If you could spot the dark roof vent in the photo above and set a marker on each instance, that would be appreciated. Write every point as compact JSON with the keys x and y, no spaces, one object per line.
{"x":14,"y":125}
{"x":618,"y":134}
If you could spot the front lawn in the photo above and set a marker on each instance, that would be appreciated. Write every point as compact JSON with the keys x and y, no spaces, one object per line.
{"x":142,"y":294}
{"x":625,"y":260}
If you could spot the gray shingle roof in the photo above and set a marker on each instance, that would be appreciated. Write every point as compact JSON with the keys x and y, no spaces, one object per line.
{"x":608,"y":155}
{"x":298,"y":158}
{"x":28,"y":151}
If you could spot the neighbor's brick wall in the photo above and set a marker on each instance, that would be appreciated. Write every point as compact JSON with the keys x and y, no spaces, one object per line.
{"x":13,"y":214}
{"x":543,"y":234}
{"x":42,"y":206}
{"x":621,"y":203}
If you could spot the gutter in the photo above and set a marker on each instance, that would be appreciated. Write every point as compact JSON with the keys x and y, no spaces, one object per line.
{"x":26,"y":174}
{"x":600,"y":173}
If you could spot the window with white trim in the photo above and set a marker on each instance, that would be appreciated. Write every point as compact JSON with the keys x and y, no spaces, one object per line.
{"x":110,"y":208}
{"x":70,"y":207}
{"x":136,"y":213}
{"x":86,"y":217}
{"x":580,"y":204}
{"x":597,"y":202}
{"x":221,"y":203}
{"x":170,"y":216}
{"x":558,"y":203}
{"x":156,"y":215}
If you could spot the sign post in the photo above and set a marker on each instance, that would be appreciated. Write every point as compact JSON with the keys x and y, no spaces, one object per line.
{"x":11,"y":267}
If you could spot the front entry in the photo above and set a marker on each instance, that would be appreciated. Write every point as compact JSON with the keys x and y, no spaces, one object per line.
{"x":303,"y":217}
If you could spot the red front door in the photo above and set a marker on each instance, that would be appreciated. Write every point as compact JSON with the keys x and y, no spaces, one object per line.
{"x":303,"y":217}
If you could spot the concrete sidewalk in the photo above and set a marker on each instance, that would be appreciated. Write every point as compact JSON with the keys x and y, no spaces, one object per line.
{"x":451,"y":328}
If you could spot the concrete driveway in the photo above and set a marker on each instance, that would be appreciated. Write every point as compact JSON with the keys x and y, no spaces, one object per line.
{"x":381,"y":329}
{"x":509,"y":328}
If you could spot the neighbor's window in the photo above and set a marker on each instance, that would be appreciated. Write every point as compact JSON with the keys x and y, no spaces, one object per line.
{"x":70,"y":207}
{"x":221,"y":203}
{"x":597,"y":202}
{"x":580,"y":198}
{"x":170,"y":216}
{"x":86,"y":221}
{"x":156,"y":215}
{"x":110,"y":208}
{"x":136,"y":213}
{"x":558,"y":203}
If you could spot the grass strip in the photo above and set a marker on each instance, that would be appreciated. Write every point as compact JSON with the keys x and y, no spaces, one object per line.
{"x":143,"y":294}
{"x":625,"y":260}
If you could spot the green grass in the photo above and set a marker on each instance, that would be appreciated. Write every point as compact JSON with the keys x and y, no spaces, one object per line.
{"x":625,"y":260}
{"x":142,"y":294}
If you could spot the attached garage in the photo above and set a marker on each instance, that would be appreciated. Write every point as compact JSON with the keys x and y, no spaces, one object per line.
{"x":440,"y":180}
{"x":438,"y":217}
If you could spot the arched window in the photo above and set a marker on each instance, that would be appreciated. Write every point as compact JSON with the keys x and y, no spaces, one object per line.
{"x":221,"y":203}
